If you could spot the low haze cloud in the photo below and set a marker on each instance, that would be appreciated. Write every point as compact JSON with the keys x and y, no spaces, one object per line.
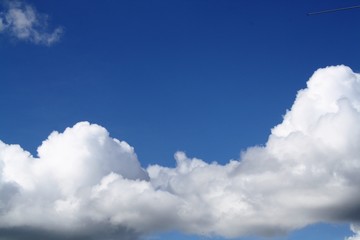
{"x":86,"y":184}
{"x":23,"y":22}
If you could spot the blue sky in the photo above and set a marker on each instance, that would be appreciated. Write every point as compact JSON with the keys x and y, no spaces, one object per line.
{"x":207,"y":77}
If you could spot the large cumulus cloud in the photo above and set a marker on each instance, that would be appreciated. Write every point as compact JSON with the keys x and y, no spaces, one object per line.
{"x":85,"y":184}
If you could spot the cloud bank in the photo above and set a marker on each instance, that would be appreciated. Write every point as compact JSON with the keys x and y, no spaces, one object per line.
{"x":85,"y":184}
{"x":23,"y":22}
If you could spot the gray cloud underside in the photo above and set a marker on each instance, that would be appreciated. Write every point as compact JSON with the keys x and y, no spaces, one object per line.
{"x":86,"y":184}
{"x":28,"y":233}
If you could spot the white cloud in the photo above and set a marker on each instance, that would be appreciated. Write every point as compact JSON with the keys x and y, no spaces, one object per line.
{"x":23,"y":22}
{"x":86,"y":184}
{"x":356,"y":230}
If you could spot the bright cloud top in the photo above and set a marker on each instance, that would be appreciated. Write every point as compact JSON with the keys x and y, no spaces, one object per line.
{"x":86,"y":184}
{"x":23,"y":22}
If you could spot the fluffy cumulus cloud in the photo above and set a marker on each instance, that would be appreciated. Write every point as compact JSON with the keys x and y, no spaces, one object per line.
{"x":356,"y":230}
{"x":86,"y":185}
{"x":23,"y":22}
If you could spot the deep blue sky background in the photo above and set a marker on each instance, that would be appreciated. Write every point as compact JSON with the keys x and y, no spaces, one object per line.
{"x":210,"y":77}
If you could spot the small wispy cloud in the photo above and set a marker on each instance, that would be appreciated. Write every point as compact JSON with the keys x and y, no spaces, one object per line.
{"x":23,"y":22}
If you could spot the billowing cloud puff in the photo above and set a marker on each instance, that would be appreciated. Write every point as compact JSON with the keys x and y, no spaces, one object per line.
{"x":23,"y":22}
{"x":85,"y":184}
{"x":356,"y":230}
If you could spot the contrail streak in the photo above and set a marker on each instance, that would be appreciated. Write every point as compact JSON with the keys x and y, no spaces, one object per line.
{"x":333,"y":10}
